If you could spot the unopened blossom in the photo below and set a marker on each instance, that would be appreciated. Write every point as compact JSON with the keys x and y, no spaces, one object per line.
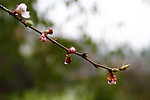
{"x":84,"y":55}
{"x":122,"y":68}
{"x":112,"y":79}
{"x":71,"y":50}
{"x":29,"y":22}
{"x":49,"y":31}
{"x":68,"y":59}
{"x":22,"y":10}
{"x":43,"y":38}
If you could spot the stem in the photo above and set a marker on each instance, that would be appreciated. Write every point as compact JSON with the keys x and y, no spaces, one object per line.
{"x":53,"y":41}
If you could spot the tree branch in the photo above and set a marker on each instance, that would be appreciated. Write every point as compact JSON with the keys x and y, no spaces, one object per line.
{"x":83,"y":55}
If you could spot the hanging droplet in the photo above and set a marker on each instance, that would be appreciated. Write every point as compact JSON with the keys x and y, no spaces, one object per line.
{"x":65,"y":63}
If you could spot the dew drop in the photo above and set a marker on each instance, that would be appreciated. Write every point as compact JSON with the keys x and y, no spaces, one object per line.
{"x":65,"y":63}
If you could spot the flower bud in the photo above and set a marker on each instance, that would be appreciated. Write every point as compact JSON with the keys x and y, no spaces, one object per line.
{"x":48,"y":31}
{"x":71,"y":50}
{"x":115,"y":69}
{"x":124,"y":67}
{"x":84,"y":55}
{"x":29,"y":22}
{"x":112,"y":79}
{"x":43,"y":38}
{"x":68,"y":59}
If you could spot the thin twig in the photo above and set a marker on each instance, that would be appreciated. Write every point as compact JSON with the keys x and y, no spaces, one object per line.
{"x":83,"y":55}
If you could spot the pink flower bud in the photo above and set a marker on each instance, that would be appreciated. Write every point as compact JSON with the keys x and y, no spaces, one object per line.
{"x":49,"y":31}
{"x":112,"y":79}
{"x":72,"y":50}
{"x":43,"y":38}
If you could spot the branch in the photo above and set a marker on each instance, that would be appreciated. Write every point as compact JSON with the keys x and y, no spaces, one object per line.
{"x":82,"y":55}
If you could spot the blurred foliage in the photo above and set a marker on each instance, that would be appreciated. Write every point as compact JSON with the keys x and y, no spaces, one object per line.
{"x":31,"y":70}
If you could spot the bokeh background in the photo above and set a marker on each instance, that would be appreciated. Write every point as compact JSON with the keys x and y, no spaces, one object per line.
{"x":110,"y":31}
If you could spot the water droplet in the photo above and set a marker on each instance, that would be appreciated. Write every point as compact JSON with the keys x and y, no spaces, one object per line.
{"x":65,"y":63}
{"x":112,"y":82}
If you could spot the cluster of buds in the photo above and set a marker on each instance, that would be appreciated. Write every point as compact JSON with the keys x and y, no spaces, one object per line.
{"x":111,"y":79}
{"x":122,"y":68}
{"x":68,"y":55}
{"x":43,"y":36}
{"x":21,"y":9}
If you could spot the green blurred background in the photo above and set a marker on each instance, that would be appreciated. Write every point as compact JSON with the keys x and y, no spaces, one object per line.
{"x":31,"y":70}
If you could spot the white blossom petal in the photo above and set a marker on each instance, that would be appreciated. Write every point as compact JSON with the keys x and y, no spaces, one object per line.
{"x":22,"y":7}
{"x":25,"y":14}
